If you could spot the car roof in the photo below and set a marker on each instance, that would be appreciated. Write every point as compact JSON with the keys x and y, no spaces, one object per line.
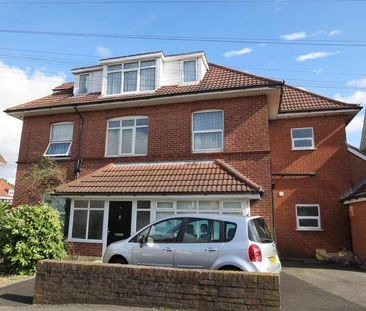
{"x":232,"y":218}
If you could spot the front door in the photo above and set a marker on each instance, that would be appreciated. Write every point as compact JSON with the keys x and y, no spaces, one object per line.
{"x":119,"y":221}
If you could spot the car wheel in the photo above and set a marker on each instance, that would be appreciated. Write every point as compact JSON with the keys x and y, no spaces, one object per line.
{"x":230,"y":268}
{"x":118,"y":260}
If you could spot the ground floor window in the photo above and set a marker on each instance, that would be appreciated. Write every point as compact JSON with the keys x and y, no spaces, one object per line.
{"x":87,"y":220}
{"x":308,"y":217}
{"x":168,"y":208}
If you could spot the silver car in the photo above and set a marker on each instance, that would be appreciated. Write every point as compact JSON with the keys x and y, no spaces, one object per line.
{"x":200,"y":241}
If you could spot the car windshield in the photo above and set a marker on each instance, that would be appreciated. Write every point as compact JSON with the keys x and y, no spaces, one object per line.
{"x":258,"y":231}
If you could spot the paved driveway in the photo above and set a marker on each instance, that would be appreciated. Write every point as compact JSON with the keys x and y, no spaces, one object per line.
{"x":304,"y":286}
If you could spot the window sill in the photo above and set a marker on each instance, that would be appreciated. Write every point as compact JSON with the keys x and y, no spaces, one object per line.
{"x":303,"y":149}
{"x":208,"y":151}
{"x":57,"y":158}
{"x":125,"y":155}
{"x":309,"y":229}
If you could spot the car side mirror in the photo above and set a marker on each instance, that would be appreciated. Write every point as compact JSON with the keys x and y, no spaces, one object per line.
{"x":142,"y":240}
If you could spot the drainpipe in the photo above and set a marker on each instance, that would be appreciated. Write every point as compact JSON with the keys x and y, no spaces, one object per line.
{"x":79,"y":160}
{"x":272,"y":182}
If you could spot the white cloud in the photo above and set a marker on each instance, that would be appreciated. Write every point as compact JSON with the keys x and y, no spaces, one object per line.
{"x":358,"y":83}
{"x":103,"y":52}
{"x":335,"y":32}
{"x":354,"y":128}
{"x":18,"y":86}
{"x":317,"y":71}
{"x":315,"y":55}
{"x":238,"y":52}
{"x":294,"y":36}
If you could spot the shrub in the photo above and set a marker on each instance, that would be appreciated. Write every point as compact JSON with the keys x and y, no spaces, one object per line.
{"x":29,"y":233}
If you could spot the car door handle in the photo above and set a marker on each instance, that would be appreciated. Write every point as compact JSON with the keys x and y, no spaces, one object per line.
{"x":167,"y":249}
{"x":210,"y":249}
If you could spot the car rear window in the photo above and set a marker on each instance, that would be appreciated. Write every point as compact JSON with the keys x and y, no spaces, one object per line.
{"x":258,"y":231}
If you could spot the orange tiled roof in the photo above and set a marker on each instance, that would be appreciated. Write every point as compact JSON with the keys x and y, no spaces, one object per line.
{"x":217,"y":78}
{"x":163,"y":178}
{"x":4,"y":188}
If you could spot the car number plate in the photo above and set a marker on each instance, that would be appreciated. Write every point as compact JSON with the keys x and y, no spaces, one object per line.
{"x":273,"y":260}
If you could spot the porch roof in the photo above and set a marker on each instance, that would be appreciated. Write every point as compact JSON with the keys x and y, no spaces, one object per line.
{"x":355,"y":193}
{"x":193,"y":177}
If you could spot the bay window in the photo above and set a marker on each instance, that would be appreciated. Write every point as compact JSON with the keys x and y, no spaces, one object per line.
{"x":127,"y":136}
{"x":60,"y":140}
{"x":131,"y":77}
{"x":207,"y":131}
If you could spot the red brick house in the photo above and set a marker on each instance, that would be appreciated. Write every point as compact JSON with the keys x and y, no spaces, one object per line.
{"x":6,"y":191}
{"x":149,"y":135}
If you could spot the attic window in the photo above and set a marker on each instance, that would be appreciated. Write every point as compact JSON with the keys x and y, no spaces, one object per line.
{"x":189,"y":71}
{"x":84,"y":84}
{"x":60,"y":140}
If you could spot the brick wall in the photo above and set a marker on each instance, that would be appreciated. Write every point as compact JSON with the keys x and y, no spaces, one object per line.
{"x":61,"y":282}
{"x":357,"y":215}
{"x":330,"y":162}
{"x":84,"y":249}
{"x":358,"y":168}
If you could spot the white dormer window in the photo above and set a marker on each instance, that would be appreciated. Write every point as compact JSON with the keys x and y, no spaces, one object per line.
{"x":190,"y":71}
{"x":131,"y":77}
{"x":84,"y":84}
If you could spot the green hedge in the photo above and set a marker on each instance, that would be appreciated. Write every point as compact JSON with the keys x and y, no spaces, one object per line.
{"x":29,"y":233}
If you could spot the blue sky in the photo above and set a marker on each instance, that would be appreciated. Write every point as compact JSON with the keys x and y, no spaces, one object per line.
{"x":334,"y":71}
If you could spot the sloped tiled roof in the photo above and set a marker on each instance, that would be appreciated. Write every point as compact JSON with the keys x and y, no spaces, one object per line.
{"x":4,"y":189}
{"x":217,"y":78}
{"x":162,"y":178}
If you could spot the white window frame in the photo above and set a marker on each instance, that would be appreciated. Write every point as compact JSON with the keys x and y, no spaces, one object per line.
{"x":88,"y":209}
{"x":312,"y":147}
{"x":87,"y":83}
{"x":196,"y":68}
{"x":67,"y":154}
{"x":132,"y":154}
{"x":138,"y":69}
{"x":301,"y":228}
{"x":208,"y":131}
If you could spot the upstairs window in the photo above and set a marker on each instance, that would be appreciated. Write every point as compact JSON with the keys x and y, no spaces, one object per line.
{"x":207,"y":131}
{"x":189,"y":71}
{"x":308,"y":217}
{"x":131,"y":77}
{"x":83,"y":84}
{"x":60,"y":140}
{"x":127,"y":136}
{"x":302,"y":138}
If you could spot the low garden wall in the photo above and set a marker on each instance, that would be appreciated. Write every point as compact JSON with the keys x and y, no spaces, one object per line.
{"x":66,"y":282}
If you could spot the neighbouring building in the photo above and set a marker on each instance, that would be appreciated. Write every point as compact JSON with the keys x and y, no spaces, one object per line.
{"x":150,"y":135}
{"x":6,"y":191}
{"x":2,"y":160}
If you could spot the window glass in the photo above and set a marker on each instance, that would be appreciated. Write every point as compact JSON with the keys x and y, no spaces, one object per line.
{"x":130,"y":81}
{"x":161,"y":215}
{"x":114,"y":83}
{"x":211,"y":120}
{"x":96,"y":204}
{"x":258,"y":231}
{"x":207,"y":141}
{"x":127,"y":137}
{"x":83,"y":84}
{"x":302,"y":138}
{"x":58,"y":149}
{"x":208,"y":130}
{"x":81,"y":204}
{"x":143,"y":204}
{"x":185,"y":205}
{"x":307,"y":222}
{"x":302,"y":133}
{"x":57,"y":203}
{"x":79,"y":224}
{"x":165,"y":205}
{"x":230,"y":229}
{"x":215,"y":231}
{"x":113,"y":142}
{"x":131,"y":65}
{"x":307,"y":210}
{"x":189,"y":71}
{"x":165,"y":231}
{"x":201,"y":231}
{"x":308,"y":217}
{"x":232,"y":205}
{"x":143,"y":219}
{"x":95,"y":225}
{"x":127,"y":141}
{"x":60,"y":132}
{"x":209,"y":205}
{"x":148,"y":63}
{"x":303,"y":143}
{"x":147,"y":79}
{"x":114,"y":67}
